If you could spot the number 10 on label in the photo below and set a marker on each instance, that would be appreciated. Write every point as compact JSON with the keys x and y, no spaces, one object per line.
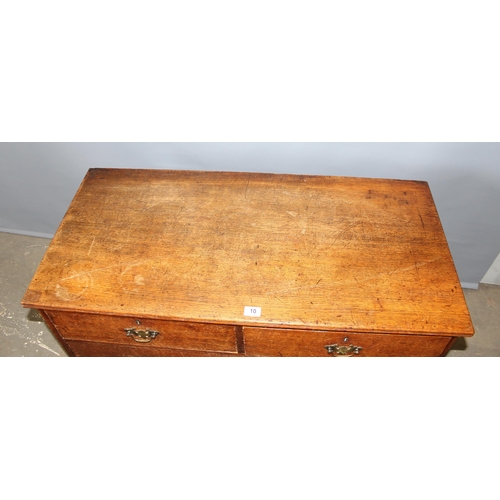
{"x":252,"y":311}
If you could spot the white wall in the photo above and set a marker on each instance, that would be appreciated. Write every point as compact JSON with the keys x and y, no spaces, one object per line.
{"x":492,"y":276}
{"x":38,"y":180}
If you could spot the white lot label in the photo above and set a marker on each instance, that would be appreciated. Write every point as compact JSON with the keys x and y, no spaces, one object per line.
{"x":252,"y":311}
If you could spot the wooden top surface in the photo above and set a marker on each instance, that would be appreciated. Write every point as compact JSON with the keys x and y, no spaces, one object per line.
{"x":314,"y":252}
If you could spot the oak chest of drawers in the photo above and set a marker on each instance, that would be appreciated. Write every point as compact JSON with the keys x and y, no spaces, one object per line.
{"x":192,"y":263}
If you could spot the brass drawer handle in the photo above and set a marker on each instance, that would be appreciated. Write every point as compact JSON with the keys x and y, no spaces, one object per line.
{"x":342,"y":350}
{"x":141,"y":335}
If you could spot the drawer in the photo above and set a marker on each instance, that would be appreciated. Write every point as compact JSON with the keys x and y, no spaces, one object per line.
{"x":95,"y":349}
{"x":288,"y":342}
{"x":171,"y":334}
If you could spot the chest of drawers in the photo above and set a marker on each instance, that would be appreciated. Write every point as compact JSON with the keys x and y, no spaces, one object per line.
{"x":193,"y":263}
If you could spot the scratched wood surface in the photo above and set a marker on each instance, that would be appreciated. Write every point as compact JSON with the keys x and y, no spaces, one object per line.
{"x":334,"y":253}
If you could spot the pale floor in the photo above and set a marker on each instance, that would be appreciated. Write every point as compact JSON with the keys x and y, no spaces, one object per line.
{"x":22,"y":333}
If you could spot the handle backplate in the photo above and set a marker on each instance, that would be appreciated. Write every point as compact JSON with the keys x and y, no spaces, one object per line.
{"x":141,"y":335}
{"x":342,"y":350}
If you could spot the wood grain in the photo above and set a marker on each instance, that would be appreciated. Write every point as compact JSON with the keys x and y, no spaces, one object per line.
{"x":96,"y":349}
{"x":287,"y":342}
{"x":314,"y":252}
{"x":171,"y":334}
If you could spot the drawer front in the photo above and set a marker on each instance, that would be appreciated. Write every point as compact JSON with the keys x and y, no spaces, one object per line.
{"x":287,"y":342}
{"x":95,"y":349}
{"x":171,"y":334}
